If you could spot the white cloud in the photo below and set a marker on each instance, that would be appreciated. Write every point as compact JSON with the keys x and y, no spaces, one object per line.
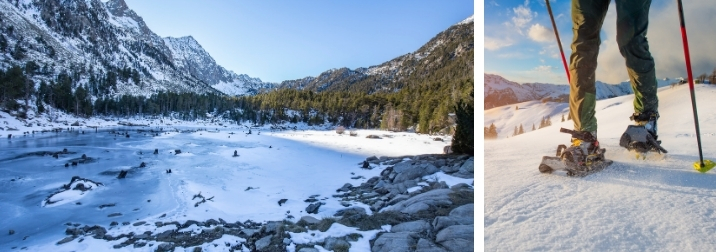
{"x":540,"y":33}
{"x":665,"y":43}
{"x":523,"y":16}
{"x":496,"y":43}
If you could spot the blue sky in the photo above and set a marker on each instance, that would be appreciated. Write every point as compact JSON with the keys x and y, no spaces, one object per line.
{"x":283,"y":40}
{"x":520,"y":43}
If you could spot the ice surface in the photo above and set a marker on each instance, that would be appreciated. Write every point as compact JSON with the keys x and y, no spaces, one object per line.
{"x":289,"y":165}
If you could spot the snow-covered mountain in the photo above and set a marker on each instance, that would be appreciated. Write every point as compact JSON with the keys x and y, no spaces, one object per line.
{"x":96,"y":41}
{"x":500,"y":91}
{"x":656,"y":204}
{"x":449,"y":51}
{"x":190,"y":57}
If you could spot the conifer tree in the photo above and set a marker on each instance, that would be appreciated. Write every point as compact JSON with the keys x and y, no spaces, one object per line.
{"x":522,"y":130}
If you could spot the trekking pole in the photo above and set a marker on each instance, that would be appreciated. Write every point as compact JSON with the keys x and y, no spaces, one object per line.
{"x":703,"y":165}
{"x":559,"y":42}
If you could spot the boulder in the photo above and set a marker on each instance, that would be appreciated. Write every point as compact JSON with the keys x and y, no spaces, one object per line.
{"x":425,"y":245}
{"x":413,"y":226}
{"x":313,"y":208}
{"x":356,"y":210}
{"x":331,"y":243}
{"x":394,"y":242}
{"x":465,"y":232}
{"x":310,"y":219}
{"x":308,"y":250}
{"x":423,"y":201}
{"x":468,"y":166}
{"x":415,"y":171}
{"x":262,"y":243}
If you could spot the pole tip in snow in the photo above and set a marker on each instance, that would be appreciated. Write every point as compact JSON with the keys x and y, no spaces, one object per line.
{"x":704,"y":166}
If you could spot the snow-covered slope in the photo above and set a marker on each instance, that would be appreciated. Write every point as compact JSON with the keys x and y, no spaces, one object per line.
{"x":500,"y":91}
{"x":450,"y":48}
{"x":190,"y":57}
{"x":657,"y":204}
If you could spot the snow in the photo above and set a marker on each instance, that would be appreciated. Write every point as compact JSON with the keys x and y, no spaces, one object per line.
{"x":277,"y":165}
{"x":657,"y":204}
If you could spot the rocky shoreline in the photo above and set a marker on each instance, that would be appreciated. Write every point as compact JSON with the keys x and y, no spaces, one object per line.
{"x":413,"y":210}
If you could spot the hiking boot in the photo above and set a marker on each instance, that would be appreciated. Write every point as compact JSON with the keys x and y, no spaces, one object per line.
{"x":642,"y":135}
{"x":584,"y":149}
{"x":647,"y":120}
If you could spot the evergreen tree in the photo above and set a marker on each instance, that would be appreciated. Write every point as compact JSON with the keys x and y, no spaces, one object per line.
{"x":533,"y":127}
{"x":463,"y":140}
{"x":522,"y":130}
{"x":516,"y":131}
{"x":563,"y":117}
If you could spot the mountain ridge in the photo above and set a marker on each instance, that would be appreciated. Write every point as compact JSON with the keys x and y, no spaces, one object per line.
{"x":455,"y":46}
{"x":500,"y":91}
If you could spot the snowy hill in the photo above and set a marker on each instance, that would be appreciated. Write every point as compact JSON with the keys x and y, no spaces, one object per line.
{"x":500,"y":91}
{"x":190,"y":57}
{"x":96,"y":41}
{"x":452,"y":48}
{"x":657,"y":204}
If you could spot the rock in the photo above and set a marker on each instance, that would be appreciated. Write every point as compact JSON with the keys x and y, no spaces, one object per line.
{"x":272,"y":226}
{"x":417,"y":171}
{"x":286,"y":241}
{"x":371,"y":158}
{"x":450,"y":169}
{"x":81,"y":187}
{"x":464,"y":211}
{"x":139,"y":223}
{"x":468,"y":166}
{"x":76,"y":123}
{"x":462,"y":215}
{"x":167,"y":246}
{"x":372,"y":137}
{"x":437,"y":197}
{"x":310,"y":219}
{"x":164,"y":235}
{"x":331,"y":243}
{"x":142,"y":165}
{"x":393,"y":242}
{"x":313,"y":208}
{"x":114,"y":214}
{"x":114,"y":223}
{"x":398,"y":198}
{"x":356,"y":210}
{"x":262,"y":243}
{"x":425,"y":245}
{"x":66,"y":240}
{"x":365,"y":165}
{"x":177,"y":151}
{"x":122,"y":174}
{"x":413,"y":226}
{"x":156,"y":151}
{"x":346,"y":188}
{"x":459,"y":245}
{"x":281,"y":201}
{"x":456,"y":232}
{"x":308,"y":250}
{"x":460,"y":187}
{"x":12,"y":232}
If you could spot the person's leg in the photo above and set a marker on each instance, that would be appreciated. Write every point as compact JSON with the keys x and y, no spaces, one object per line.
{"x":587,"y":19}
{"x":632,"y":23}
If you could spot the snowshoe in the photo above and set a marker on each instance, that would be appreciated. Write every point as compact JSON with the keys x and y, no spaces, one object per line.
{"x":642,"y":136}
{"x":582,"y":158}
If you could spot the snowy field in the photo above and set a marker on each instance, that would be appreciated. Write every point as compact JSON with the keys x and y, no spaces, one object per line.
{"x":270,"y":166}
{"x":657,"y":204}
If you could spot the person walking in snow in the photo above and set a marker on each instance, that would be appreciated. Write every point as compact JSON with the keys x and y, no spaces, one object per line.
{"x":632,"y":23}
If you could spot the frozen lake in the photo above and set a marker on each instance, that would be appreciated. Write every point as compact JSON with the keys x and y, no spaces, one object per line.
{"x":270,"y":166}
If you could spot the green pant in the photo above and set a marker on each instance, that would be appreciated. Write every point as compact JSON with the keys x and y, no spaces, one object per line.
{"x":632,"y":23}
